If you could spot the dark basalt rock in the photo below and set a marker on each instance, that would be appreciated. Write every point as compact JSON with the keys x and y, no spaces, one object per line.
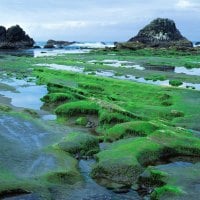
{"x":57,"y":44}
{"x":159,"y":33}
{"x":14,"y":38}
{"x":197,"y":43}
{"x":162,"y":33}
{"x":2,"y":34}
{"x":37,"y":47}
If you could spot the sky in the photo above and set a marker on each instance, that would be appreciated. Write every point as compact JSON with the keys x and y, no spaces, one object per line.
{"x":97,"y":20}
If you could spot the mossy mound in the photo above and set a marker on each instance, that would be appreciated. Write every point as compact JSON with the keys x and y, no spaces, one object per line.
{"x":5,"y":108}
{"x":77,"y":108}
{"x":124,"y":160}
{"x":31,"y":112}
{"x":130,"y":129}
{"x":91,"y":86}
{"x":166,"y":192}
{"x":119,"y":163}
{"x":71,"y":91}
{"x":57,"y":98}
{"x":154,"y":181}
{"x":106,"y":117}
{"x":63,"y":171}
{"x":10,"y":186}
{"x":66,"y":171}
{"x":175,"y":83}
{"x":82,"y":121}
{"x":80,"y":144}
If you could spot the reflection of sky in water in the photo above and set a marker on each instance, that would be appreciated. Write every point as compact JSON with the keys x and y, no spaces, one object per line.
{"x":184,"y":70}
{"x":110,"y":73}
{"x":26,"y":97}
{"x":62,"y":67}
{"x":55,"y":52}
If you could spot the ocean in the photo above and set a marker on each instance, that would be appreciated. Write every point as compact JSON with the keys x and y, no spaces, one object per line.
{"x":78,"y":47}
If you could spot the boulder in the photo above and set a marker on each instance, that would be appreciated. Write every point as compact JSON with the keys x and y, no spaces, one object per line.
{"x":14,"y":38}
{"x":57,"y":44}
{"x":159,"y":33}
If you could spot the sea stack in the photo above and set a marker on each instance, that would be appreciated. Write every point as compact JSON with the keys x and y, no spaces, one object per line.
{"x":160,"y":33}
{"x":14,"y":38}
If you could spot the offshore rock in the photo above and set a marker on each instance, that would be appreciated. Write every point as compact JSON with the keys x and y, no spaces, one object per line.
{"x":159,"y":33}
{"x":14,"y":38}
{"x":57,"y":44}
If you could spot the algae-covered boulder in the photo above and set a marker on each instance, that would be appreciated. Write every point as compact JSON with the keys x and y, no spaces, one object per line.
{"x":56,"y":169}
{"x":82,"y":121}
{"x":124,"y":160}
{"x":56,"y":98}
{"x":130,"y":129}
{"x":66,"y":170}
{"x":77,"y":108}
{"x":80,"y":144}
{"x":119,"y":163}
{"x":174,"y":181}
{"x":5,"y":108}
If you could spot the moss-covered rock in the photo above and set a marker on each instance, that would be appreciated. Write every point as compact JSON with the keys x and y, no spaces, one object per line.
{"x":106,"y":117}
{"x":79,"y":144}
{"x":124,"y":160}
{"x":77,"y":108}
{"x":57,"y":98}
{"x":130,"y":129}
{"x":82,"y":121}
{"x":166,"y":192}
{"x":5,"y":108}
{"x":31,"y":112}
{"x":175,"y":83}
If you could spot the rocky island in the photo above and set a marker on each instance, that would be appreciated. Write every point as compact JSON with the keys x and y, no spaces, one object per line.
{"x":14,"y":38}
{"x":159,"y":33}
{"x":59,"y":44}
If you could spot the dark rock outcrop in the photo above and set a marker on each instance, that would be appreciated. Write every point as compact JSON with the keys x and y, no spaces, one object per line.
{"x":14,"y":38}
{"x":159,"y":33}
{"x":2,"y":34}
{"x":197,"y":43}
{"x":57,"y":44}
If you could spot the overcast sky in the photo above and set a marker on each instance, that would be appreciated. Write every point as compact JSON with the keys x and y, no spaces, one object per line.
{"x":97,"y":20}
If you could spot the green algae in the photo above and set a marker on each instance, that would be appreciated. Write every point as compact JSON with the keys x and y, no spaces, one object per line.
{"x":130,"y":129}
{"x":140,"y":152}
{"x":114,"y":102}
{"x":82,"y":121}
{"x":80,"y":144}
{"x":5,"y":108}
{"x":77,"y":108}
